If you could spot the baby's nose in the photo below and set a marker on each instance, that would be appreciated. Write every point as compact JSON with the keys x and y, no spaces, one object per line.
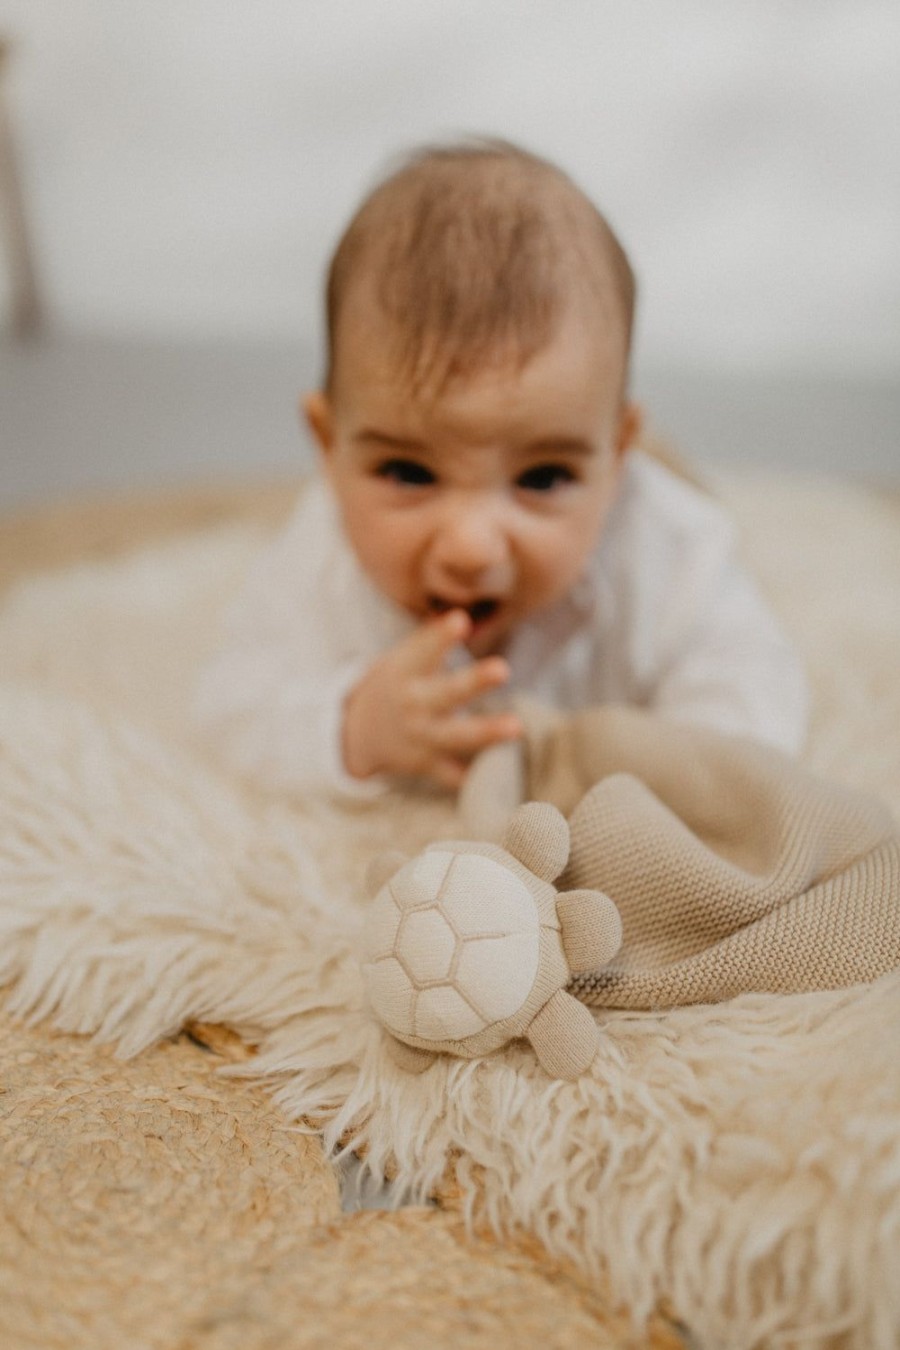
{"x":473,"y":543}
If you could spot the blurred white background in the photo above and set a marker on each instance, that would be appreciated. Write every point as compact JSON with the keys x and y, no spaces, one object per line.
{"x":188,"y":165}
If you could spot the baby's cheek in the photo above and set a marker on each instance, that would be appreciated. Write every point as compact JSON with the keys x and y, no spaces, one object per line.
{"x":558,"y":564}
{"x":389,"y":558}
{"x":544,"y":583}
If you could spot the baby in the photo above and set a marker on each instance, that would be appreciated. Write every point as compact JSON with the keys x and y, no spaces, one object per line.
{"x":482,"y":521}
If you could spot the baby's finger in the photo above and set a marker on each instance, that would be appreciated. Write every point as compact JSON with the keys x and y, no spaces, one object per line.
{"x":448,"y":772}
{"x":423,"y":652}
{"x":466,"y":736}
{"x":442,"y":693}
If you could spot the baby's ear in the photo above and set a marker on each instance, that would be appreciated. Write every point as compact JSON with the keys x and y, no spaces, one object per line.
{"x":316,"y":410}
{"x":631,"y":424}
{"x":381,"y":869}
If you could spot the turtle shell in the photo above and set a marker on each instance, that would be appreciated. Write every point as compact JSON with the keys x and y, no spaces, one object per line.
{"x":452,"y":945}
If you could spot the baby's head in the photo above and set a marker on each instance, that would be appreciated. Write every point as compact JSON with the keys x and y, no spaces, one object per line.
{"x":474,"y":414}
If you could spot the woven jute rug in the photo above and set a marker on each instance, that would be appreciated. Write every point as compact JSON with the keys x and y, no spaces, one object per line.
{"x":153,"y":1203}
{"x":737,"y":1167}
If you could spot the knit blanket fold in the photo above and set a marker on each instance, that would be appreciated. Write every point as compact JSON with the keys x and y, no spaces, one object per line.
{"x":734,"y":869}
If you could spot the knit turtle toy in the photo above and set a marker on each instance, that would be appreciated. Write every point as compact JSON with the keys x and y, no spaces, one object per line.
{"x":469,"y":945}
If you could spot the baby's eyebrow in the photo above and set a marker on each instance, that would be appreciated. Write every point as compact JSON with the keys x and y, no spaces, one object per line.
{"x":560,"y":445}
{"x":384,"y":439}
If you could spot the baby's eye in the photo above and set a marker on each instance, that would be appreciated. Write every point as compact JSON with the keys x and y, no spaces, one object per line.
{"x":406,"y":471}
{"x":545,"y":477}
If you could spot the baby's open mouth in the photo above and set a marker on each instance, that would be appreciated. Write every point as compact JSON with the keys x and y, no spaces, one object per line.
{"x":478,"y":611}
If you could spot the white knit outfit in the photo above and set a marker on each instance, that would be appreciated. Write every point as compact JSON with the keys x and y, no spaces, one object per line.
{"x":664,"y":617}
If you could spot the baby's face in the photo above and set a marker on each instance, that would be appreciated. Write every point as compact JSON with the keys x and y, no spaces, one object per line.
{"x":489,"y":496}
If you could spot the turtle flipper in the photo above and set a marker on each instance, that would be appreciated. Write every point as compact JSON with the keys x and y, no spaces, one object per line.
{"x":564,"y":1036}
{"x":591,"y":929}
{"x":409,"y":1057}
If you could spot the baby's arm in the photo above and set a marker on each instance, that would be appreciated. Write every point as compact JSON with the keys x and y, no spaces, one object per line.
{"x":289,"y":727}
{"x":269,"y":700}
{"x":275,"y":715}
{"x":733,"y":669}
{"x":407,"y":714}
{"x":309,"y":691}
{"x":693,"y":636}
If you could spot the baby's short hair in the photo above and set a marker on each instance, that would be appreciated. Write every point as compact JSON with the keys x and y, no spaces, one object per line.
{"x":471,"y":250}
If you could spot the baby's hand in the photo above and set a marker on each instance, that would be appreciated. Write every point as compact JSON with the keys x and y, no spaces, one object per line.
{"x":404,"y":715}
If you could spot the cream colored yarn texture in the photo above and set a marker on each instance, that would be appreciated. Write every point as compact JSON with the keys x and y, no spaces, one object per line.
{"x":738,"y":1163}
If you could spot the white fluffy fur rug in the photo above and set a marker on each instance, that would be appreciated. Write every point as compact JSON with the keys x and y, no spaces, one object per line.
{"x":739,"y":1162}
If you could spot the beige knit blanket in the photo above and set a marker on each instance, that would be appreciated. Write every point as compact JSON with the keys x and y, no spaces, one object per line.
{"x":735,"y":869}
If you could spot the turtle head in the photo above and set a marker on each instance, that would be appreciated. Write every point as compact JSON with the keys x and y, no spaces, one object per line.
{"x":538,"y":838}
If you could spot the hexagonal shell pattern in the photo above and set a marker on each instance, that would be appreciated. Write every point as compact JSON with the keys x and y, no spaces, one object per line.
{"x":453,"y":946}
{"x":425,"y":945}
